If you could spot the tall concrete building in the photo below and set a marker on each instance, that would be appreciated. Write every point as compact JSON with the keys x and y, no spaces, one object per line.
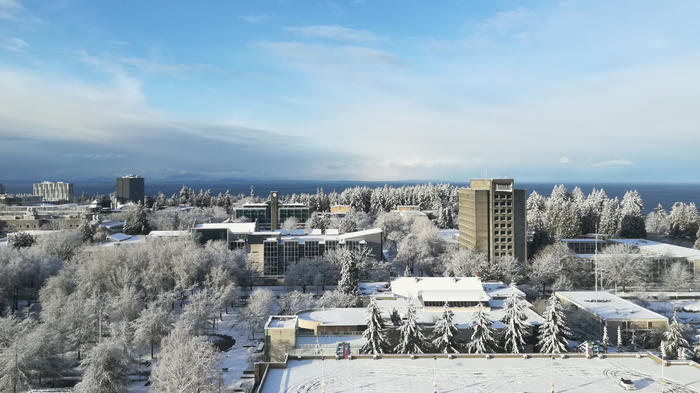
{"x":54,"y":192}
{"x":130,"y":188}
{"x":492,"y":218}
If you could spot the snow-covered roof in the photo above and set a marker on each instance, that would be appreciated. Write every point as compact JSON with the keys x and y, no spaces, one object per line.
{"x":440,"y":288}
{"x":608,"y":306}
{"x":332,"y":231}
{"x":664,"y":249}
{"x":336,"y":316}
{"x":38,"y":232}
{"x":134,"y":239}
{"x":281,"y":322}
{"x":112,"y":223}
{"x":365,"y":232}
{"x":233,"y":227}
{"x":118,"y":237}
{"x":501,"y":373}
{"x":168,"y":233}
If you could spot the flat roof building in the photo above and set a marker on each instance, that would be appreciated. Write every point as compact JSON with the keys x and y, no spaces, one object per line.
{"x":590,"y":311}
{"x":492,"y":218}
{"x":130,"y":188}
{"x":54,"y":192}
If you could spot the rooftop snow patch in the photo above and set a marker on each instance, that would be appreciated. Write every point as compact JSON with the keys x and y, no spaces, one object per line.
{"x":234,"y":227}
{"x":608,"y":306}
{"x":477,"y":374}
{"x":281,"y":322}
{"x":658,"y":248}
{"x":440,"y":288}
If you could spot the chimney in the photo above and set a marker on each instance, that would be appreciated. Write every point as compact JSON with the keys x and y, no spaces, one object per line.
{"x":274,"y":210}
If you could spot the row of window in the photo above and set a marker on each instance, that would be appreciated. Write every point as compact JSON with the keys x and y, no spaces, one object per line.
{"x":277,"y":257}
{"x":506,"y":204}
{"x":504,"y":197}
{"x":452,"y":304}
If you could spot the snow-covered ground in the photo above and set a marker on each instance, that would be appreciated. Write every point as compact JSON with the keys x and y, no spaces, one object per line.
{"x":688,"y":310}
{"x":478,"y":375}
{"x":235,"y":359}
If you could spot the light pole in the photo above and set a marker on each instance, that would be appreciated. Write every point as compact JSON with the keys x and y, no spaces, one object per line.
{"x":435,"y":384}
{"x":663,"y":349}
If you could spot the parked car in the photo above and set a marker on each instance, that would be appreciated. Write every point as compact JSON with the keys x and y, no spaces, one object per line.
{"x":627,"y":384}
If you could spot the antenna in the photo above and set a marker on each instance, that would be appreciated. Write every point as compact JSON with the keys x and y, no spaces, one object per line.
{"x":595,"y":260}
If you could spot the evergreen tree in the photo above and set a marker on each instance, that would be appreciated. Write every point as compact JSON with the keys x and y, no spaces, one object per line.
{"x":375,"y":340}
{"x":137,"y":223}
{"x":684,"y":220}
{"x":619,"y":338}
{"x":633,"y":340}
{"x":411,"y":335}
{"x":482,"y":339}
{"x":395,"y":317}
{"x":658,"y":221}
{"x":445,"y":332}
{"x":349,"y":274}
{"x":554,"y":330}
{"x":514,"y":320}
{"x":697,"y":240}
{"x":605,"y":342}
{"x":610,"y":218}
{"x":675,"y":344}
{"x":86,"y":230}
{"x":631,"y":217}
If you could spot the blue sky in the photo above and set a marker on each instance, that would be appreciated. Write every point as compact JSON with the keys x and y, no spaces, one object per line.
{"x":385,"y":90}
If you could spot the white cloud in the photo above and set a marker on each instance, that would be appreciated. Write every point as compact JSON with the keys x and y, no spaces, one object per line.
{"x":503,"y":22}
{"x":564,"y":160}
{"x":14,"y":44}
{"x":334,"y":32}
{"x":156,"y":67}
{"x":614,"y":163}
{"x":9,"y":8}
{"x":255,"y":18}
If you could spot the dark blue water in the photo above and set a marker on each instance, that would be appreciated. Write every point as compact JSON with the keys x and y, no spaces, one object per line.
{"x":653,"y":194}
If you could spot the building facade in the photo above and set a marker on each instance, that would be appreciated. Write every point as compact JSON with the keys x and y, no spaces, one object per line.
{"x":270,"y":214}
{"x":130,"y":188}
{"x":54,"y":192}
{"x":492,"y":218}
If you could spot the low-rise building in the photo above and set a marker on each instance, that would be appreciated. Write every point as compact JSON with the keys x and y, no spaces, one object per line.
{"x":590,"y":311}
{"x":280,"y":337}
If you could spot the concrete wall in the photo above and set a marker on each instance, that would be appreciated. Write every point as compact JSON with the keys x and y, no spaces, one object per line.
{"x":279,"y":342}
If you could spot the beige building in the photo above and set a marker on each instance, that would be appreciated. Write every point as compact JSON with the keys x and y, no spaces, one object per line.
{"x":492,"y":218}
{"x":280,"y":337}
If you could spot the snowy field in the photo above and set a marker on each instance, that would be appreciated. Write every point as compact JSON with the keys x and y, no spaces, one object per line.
{"x":478,"y":375}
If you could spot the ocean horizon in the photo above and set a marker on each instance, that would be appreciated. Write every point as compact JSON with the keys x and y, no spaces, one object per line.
{"x":652,"y":193}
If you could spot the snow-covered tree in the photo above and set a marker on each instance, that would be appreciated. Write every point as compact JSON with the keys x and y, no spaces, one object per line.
{"x":677,"y":276}
{"x":633,"y":340}
{"x":514,"y":320}
{"x":548,"y":263}
{"x":86,"y":230}
{"x":154,"y":323}
{"x":106,"y":369}
{"x":466,"y":263}
{"x":295,"y":301}
{"x":308,"y":271}
{"x":697,"y":240}
{"x":395,"y":317}
{"x":20,"y":240}
{"x":605,"y":341}
{"x":337,"y":299}
{"x":610,"y":218}
{"x":622,"y":265}
{"x":510,"y":269}
{"x":186,"y":364}
{"x":675,"y":344}
{"x":445,"y":332}
{"x":411,"y":338}
{"x":258,"y":309}
{"x":290,"y":224}
{"x":137,"y":223}
{"x":374,"y":334}
{"x":483,"y":336}
{"x":349,"y":274}
{"x":554,"y":330}
{"x":658,"y":221}
{"x":631,"y":218}
{"x":684,"y":220}
{"x":619,"y":338}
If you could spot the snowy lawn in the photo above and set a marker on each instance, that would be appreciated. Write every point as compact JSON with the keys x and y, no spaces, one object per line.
{"x":477,"y":375}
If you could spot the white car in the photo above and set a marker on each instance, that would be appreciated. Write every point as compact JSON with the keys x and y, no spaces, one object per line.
{"x":627,"y":384}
